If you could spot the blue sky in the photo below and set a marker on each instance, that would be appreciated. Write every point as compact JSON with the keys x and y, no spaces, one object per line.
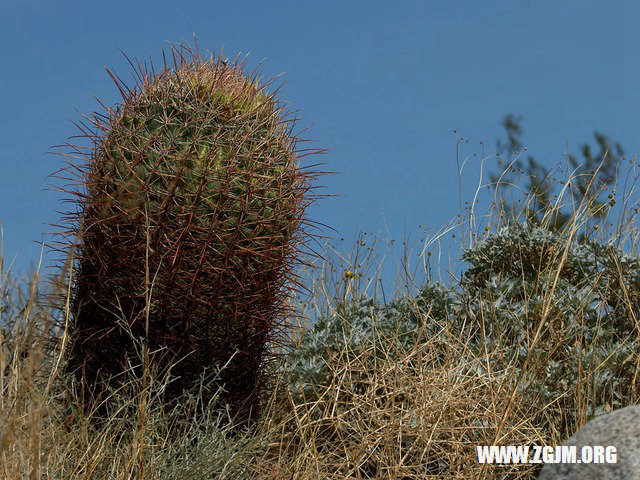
{"x":385,"y":83}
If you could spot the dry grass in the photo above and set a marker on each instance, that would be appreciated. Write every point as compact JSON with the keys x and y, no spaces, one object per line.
{"x":411,"y":416}
{"x":385,"y":413}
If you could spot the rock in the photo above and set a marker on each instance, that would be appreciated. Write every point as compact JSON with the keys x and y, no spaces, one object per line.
{"x":620,"y":429}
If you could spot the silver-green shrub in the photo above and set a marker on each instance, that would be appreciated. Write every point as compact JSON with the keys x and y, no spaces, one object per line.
{"x":364,"y":325}
{"x":583,"y":297}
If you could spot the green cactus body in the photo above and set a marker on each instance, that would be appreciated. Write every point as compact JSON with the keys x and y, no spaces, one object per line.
{"x":193,"y":198}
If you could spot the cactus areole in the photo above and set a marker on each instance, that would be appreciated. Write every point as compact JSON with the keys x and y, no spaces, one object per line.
{"x":189,"y":228}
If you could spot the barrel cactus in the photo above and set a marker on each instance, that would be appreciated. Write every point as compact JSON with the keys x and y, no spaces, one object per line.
{"x":190,"y":224}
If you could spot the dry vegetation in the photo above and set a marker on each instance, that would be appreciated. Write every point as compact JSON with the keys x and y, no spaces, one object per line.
{"x":382,"y":412}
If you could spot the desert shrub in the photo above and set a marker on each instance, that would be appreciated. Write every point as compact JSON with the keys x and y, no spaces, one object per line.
{"x":550,"y":320}
{"x":408,"y":410}
{"x":356,"y":327}
{"x":568,"y":309}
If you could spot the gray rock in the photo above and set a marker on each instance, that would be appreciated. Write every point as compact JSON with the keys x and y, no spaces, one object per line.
{"x":620,"y":429}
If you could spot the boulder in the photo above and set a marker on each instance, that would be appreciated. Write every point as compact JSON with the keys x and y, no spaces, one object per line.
{"x":620,"y":429}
